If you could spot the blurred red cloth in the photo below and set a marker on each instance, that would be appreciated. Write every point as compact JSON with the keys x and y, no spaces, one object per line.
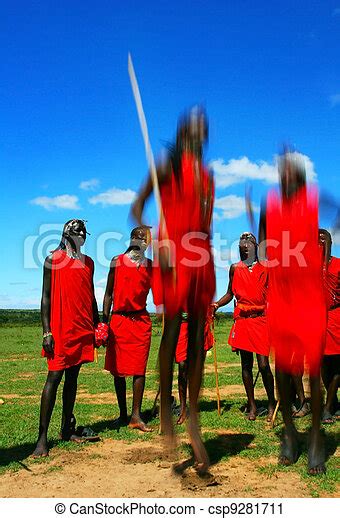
{"x":296,"y":302}
{"x":187,"y":201}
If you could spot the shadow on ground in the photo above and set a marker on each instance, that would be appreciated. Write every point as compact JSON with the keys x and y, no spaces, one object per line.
{"x":19,"y":453}
{"x":211,"y":406}
{"x":220,"y":447}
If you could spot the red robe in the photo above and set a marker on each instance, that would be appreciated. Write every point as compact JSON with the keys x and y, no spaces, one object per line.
{"x":130,"y":325}
{"x":332,"y":284}
{"x":187,"y":203}
{"x":182,"y":344}
{"x":250,"y":332}
{"x":71,"y":311}
{"x":296,"y":303}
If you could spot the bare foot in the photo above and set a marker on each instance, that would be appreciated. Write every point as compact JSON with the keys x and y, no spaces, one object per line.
{"x":40,"y":451}
{"x":182,"y":417}
{"x":289,"y":448}
{"x":251,"y":416}
{"x":138,"y":424}
{"x":316,"y":455}
{"x":327,"y":417}
{"x":271,"y":410}
{"x":303,"y":410}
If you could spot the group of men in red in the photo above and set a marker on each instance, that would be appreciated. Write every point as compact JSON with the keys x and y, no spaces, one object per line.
{"x":270,"y":287}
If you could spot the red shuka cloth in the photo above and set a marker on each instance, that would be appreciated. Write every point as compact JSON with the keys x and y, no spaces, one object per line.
{"x":296,"y":304}
{"x":332,"y":284}
{"x":182,"y":344}
{"x":71,"y":311}
{"x":187,"y":203}
{"x":250,"y":290}
{"x":130,"y":334}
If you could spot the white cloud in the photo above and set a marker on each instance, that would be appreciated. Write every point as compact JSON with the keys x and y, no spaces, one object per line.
{"x":64,"y":201}
{"x":230,"y":207}
{"x":89,"y":185}
{"x":334,"y":100}
{"x":113,"y":196}
{"x":240,"y":170}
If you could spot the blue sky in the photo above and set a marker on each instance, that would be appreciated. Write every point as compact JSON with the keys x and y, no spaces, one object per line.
{"x":268,"y":73}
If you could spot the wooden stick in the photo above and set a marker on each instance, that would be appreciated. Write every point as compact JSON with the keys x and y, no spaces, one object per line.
{"x":95,"y":353}
{"x":275,"y":413}
{"x":216,"y":372}
{"x":257,"y":377}
{"x":154,"y":406}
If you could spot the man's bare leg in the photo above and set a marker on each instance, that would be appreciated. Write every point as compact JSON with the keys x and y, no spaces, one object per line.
{"x":268,"y":382}
{"x":316,"y":450}
{"x":331,"y":393}
{"x":247,"y":362}
{"x":289,"y":447}
{"x":195,"y":374}
{"x":138,"y":390}
{"x":48,"y":398}
{"x":69,"y":398}
{"x":300,"y":392}
{"x":120,"y":387}
{"x":331,"y":380}
{"x":182,"y":391}
{"x":166,"y":359}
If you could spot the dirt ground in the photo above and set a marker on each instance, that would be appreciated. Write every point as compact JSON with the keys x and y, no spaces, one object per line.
{"x":140,"y":469}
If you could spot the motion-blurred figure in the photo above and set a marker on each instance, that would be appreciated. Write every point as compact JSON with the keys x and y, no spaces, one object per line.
{"x":296,"y":302}
{"x":186,"y":273}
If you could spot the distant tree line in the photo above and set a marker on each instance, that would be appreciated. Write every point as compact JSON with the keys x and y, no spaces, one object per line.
{"x":31,"y":317}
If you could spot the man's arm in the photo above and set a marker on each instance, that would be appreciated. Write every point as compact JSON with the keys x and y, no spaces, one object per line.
{"x":108,"y":297}
{"x":163,"y":172}
{"x":228,"y":297}
{"x":45,"y":308}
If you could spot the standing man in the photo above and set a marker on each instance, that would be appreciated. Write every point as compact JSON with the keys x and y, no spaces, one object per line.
{"x":331,"y":360}
{"x":248,"y":281}
{"x":69,"y":315}
{"x":186,"y":274}
{"x":128,"y":285}
{"x":296,"y":303}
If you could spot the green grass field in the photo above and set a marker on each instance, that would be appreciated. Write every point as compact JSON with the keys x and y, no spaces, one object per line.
{"x":23,"y":373}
